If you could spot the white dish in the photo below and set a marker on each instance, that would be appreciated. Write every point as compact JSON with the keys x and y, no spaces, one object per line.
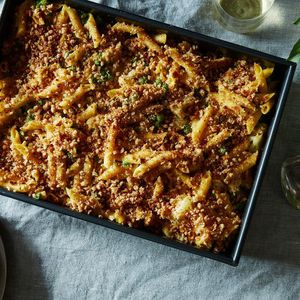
{"x":2,"y":269}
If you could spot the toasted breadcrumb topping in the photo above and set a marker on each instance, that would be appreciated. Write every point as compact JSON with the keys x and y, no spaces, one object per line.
{"x":132,"y":126}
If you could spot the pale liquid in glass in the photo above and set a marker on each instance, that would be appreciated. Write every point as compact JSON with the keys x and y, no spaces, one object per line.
{"x":242,"y":9}
{"x":241,"y":15}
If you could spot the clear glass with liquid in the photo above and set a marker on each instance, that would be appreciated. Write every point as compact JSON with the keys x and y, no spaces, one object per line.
{"x":241,"y":15}
{"x":290,"y":180}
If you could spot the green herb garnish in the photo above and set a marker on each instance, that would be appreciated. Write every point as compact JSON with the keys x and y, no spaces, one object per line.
{"x":98,"y":61}
{"x":157,"y":120}
{"x":39,"y":3}
{"x":165,"y":87}
{"x":125,"y":163}
{"x":187,"y":129}
{"x":159,"y":83}
{"x":102,"y":77}
{"x":72,"y":68}
{"x":94,"y":80}
{"x":134,"y":59}
{"x":37,"y":196}
{"x":106,"y":76}
{"x":222,"y":150}
{"x":42,"y":101}
{"x":133,"y":97}
{"x":143,"y":80}
{"x":30,"y":118}
{"x":68,"y":53}
{"x":213,"y":194}
{"x":69,"y":155}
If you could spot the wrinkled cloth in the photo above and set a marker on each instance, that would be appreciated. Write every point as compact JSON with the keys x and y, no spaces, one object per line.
{"x":52,"y":256}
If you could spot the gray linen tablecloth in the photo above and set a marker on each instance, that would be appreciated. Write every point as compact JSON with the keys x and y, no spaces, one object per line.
{"x":51,"y":256}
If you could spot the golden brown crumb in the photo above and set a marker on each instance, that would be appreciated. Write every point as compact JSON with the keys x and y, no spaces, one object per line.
{"x":114,"y":127}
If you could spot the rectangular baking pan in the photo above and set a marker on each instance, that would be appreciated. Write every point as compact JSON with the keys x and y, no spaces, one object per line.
{"x":284,"y":71}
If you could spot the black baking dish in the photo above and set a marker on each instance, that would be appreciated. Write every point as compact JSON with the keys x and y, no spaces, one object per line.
{"x":284,"y":71}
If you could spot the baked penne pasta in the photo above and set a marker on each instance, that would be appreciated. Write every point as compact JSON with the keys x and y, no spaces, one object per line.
{"x":129,"y":124}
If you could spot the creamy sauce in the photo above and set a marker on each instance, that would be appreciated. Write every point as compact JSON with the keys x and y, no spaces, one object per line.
{"x":242,"y":9}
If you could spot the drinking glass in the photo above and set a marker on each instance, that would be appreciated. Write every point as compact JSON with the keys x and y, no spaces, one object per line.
{"x":241,"y":16}
{"x":290,"y":180}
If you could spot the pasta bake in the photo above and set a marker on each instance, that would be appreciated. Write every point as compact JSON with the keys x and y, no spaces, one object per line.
{"x":106,"y":118}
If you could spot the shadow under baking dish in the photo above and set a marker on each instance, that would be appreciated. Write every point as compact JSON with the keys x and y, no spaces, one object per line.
{"x":283,"y":73}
